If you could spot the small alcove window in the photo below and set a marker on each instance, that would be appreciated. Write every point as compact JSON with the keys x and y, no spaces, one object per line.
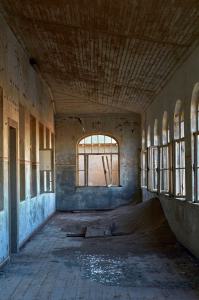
{"x":98,"y":161}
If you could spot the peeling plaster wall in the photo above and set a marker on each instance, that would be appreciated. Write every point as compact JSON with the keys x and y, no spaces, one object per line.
{"x":182,"y":215}
{"x":20,"y":84}
{"x":69,"y":129}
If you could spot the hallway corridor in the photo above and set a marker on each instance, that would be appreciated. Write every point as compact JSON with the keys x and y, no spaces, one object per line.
{"x":138,"y":266}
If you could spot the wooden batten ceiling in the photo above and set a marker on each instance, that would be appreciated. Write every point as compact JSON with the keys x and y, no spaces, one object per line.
{"x":108,"y":55}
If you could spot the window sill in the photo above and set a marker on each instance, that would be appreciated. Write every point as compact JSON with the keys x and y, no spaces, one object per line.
{"x":166,"y":195}
{"x":183,"y":199}
{"x":98,"y":186}
{"x":173,"y":197}
{"x":180,"y":198}
{"x":193,"y":203}
{"x":153,"y":191}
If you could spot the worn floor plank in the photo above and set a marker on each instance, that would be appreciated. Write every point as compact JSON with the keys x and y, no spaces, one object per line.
{"x":145,"y":266}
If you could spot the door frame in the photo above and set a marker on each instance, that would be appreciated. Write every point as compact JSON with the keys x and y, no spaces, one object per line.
{"x":13,"y":248}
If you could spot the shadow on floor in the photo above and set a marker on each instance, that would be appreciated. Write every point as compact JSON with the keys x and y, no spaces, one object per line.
{"x":146,"y":263}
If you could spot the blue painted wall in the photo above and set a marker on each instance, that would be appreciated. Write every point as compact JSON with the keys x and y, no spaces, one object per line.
{"x":126,"y":129}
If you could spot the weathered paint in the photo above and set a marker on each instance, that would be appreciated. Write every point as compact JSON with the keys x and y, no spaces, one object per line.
{"x":69,"y":130}
{"x":182,"y":215}
{"x":20,"y":84}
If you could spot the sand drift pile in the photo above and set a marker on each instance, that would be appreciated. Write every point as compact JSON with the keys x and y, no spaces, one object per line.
{"x":143,"y":217}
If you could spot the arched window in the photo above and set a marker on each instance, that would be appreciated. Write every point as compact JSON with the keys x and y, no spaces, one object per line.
{"x":149,"y":136}
{"x":143,"y":162}
{"x":156,"y":137}
{"x":165,"y":129}
{"x":178,"y":121}
{"x":179,"y":148}
{"x":143,"y":139}
{"x":165,"y":158}
{"x":195,"y":141}
{"x":98,"y":161}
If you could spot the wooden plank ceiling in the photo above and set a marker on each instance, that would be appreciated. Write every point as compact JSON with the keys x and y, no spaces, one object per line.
{"x":105,"y":55}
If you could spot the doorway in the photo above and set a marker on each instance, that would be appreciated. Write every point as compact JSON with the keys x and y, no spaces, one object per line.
{"x":13,"y":209}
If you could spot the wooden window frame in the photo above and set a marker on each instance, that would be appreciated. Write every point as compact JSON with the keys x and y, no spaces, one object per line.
{"x":196,"y":167}
{"x":182,"y":196}
{"x":41,"y":147}
{"x":49,"y":185}
{"x":179,"y":140}
{"x":195,"y":157}
{"x":86,"y":161}
{"x":153,"y":171}
{"x":169,"y":168}
{"x":144,"y":170}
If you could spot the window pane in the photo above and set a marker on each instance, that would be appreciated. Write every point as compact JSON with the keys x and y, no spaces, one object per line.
{"x":182,"y":175}
{"x":177,"y":154}
{"x":115,"y":178}
{"x":182,"y":154}
{"x":182,"y":125}
{"x":87,"y":140}
{"x":108,"y":140}
{"x":108,"y":148}
{"x":81,"y":163}
{"x":81,"y":148}
{"x":197,"y":151}
{"x":96,"y":139}
{"x":178,"y":183}
{"x":166,"y":157}
{"x":164,"y":169}
{"x":114,"y":148}
{"x":102,"y":163}
{"x":101,"y":139}
{"x":81,"y":178}
{"x":97,"y":175}
{"x":166,"y":181}
{"x":154,"y":168}
{"x":180,"y":165}
{"x":143,"y":168}
{"x":198,"y":116}
{"x":176,"y":127}
{"x":88,"y":148}
{"x":115,"y":162}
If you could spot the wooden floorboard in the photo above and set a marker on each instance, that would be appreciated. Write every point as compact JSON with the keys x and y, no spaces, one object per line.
{"x":53,"y":266}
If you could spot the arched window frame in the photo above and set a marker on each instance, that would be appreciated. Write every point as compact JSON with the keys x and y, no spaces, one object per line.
{"x":179,"y":152}
{"x":166,"y":186}
{"x":84,"y":157}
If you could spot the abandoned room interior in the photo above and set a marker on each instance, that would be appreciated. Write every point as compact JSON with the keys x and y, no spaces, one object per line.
{"x":99,"y":149}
